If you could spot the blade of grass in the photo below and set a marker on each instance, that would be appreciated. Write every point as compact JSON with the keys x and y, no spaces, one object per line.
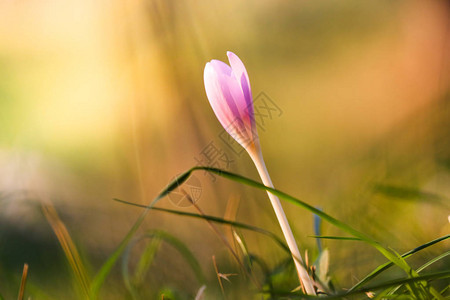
{"x":271,"y":235}
{"x":256,"y":260}
{"x":227,"y":244}
{"x":106,"y":268}
{"x":420,"y":269}
{"x":244,"y":250}
{"x":146,"y":260}
{"x":266,"y":272}
{"x":416,"y":288}
{"x":445,"y":289}
{"x":344,"y":238}
{"x":142,"y":267}
{"x":218,"y":220}
{"x":320,"y":271}
{"x":69,"y":248}
{"x":230,"y":214}
{"x":432,"y":261}
{"x":175,"y":243}
{"x":23,"y":282}
{"x":387,"y":265}
{"x":387,"y":284}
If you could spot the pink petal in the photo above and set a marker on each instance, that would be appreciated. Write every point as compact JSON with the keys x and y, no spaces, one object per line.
{"x":241,"y":74}
{"x":228,"y":91}
{"x":221,"y":67}
{"x":215,"y":96}
{"x":238,"y":105}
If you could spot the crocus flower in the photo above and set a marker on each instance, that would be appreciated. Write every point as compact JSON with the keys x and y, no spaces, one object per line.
{"x":229,"y":93}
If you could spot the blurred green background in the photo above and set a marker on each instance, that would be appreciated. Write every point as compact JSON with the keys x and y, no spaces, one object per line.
{"x":105,"y":99}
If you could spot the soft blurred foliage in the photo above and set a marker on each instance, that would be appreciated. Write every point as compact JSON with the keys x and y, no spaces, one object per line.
{"x":105,"y":99}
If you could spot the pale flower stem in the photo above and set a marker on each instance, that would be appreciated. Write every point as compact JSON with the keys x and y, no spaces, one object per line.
{"x":304,"y":278}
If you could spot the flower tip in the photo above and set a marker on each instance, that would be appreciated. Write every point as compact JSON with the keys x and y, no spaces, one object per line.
{"x":230,"y":54}
{"x":207,"y":67}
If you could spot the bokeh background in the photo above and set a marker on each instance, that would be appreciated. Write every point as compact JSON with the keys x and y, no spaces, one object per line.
{"x":105,"y":99}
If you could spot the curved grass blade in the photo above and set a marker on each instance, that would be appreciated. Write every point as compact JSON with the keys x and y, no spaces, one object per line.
{"x":143,"y":265}
{"x":445,"y":290}
{"x":171,"y":240}
{"x":384,"y":285}
{"x":327,"y":237}
{"x":432,"y":261}
{"x":216,"y":220}
{"x":387,"y":265}
{"x":426,"y":265}
{"x":256,"y":260}
{"x":104,"y":271}
{"x":146,"y":260}
{"x":70,"y":250}
{"x":244,"y":249}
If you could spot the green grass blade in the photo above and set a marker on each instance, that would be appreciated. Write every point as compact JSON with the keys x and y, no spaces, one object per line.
{"x":445,"y":290}
{"x":416,"y":288}
{"x":269,"y":234}
{"x":106,"y":268}
{"x":182,"y":249}
{"x":256,"y":260}
{"x":432,"y":261}
{"x":344,"y":238}
{"x":387,"y":265}
{"x":384,"y":285}
{"x":244,"y":249}
{"x":426,"y":265}
{"x":143,"y":265}
{"x":160,"y":235}
{"x":146,"y":260}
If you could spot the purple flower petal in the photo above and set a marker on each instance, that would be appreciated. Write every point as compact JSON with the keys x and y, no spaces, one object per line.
{"x":221,"y":67}
{"x":238,"y":104}
{"x":215,"y":96}
{"x":241,"y":74}
{"x":228,"y":91}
